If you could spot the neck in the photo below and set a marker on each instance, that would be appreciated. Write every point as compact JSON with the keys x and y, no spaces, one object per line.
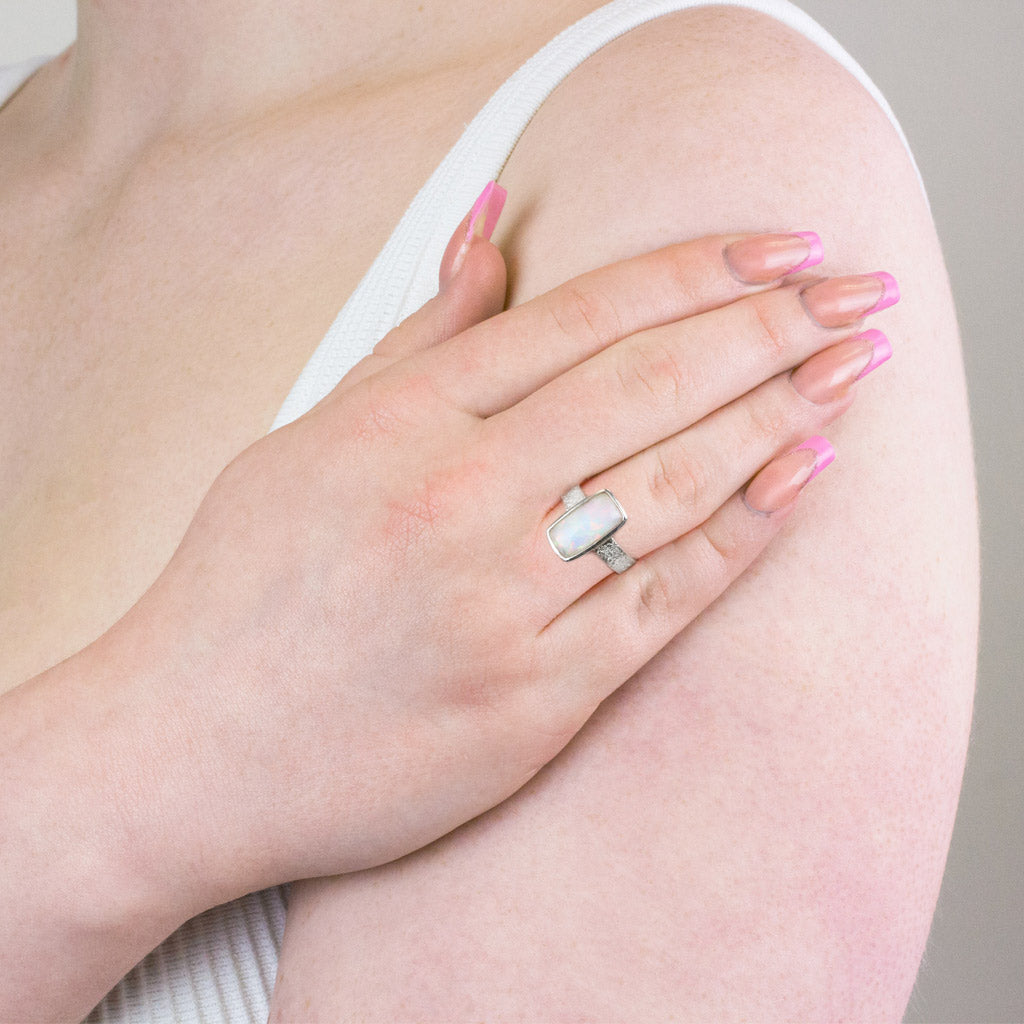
{"x":140,"y":66}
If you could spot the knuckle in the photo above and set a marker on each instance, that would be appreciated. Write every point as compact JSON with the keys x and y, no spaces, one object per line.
{"x":686,"y":267}
{"x":654,"y":599}
{"x":767,"y":418}
{"x":769,"y":327}
{"x":655,"y":371}
{"x":723,"y":549}
{"x":588,"y":317}
{"x":676,"y":484}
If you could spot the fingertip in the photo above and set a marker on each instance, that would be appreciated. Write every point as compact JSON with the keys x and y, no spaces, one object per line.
{"x":478,"y":289}
{"x":477,"y":226}
{"x":777,"y":486}
{"x":483,"y":218}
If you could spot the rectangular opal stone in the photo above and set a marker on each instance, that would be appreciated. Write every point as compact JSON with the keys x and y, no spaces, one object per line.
{"x":584,"y":527}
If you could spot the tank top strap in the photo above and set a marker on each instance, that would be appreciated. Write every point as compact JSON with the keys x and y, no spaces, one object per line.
{"x":404,"y":274}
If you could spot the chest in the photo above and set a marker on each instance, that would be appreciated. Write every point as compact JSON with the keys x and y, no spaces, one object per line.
{"x":151,"y":324}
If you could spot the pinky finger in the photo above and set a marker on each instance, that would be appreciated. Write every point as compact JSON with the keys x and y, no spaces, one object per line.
{"x":614,"y":629}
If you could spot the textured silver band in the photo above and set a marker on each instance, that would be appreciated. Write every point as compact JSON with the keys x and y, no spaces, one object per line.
{"x":608,"y":550}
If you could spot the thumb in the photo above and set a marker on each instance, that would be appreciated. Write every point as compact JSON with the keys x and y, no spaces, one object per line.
{"x":472,"y":286}
{"x":473,"y":275}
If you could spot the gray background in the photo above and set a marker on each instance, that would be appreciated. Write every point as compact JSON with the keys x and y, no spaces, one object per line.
{"x":952,"y":70}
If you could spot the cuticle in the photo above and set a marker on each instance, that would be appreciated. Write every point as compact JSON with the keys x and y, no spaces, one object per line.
{"x":728,"y":266}
{"x":756,"y":511}
{"x":802,"y":396}
{"x":803,"y":286}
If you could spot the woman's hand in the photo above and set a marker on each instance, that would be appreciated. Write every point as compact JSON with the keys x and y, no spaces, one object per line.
{"x":102,"y":840}
{"x":374,"y":639}
{"x":366,"y":639}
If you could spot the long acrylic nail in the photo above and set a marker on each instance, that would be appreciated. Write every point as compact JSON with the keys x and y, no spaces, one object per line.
{"x":827,"y":376}
{"x":483,"y":218}
{"x":762,"y":259}
{"x":839,"y":301}
{"x":779,"y":483}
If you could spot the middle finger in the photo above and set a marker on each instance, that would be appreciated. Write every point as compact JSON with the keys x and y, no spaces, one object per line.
{"x":655,"y":383}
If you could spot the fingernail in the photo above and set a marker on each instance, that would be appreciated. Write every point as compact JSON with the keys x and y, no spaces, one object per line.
{"x":881,"y":350}
{"x":890,"y":292}
{"x":827,"y":376}
{"x":483,"y":218}
{"x":765,"y":258}
{"x":782,"y":480}
{"x":838,"y":301}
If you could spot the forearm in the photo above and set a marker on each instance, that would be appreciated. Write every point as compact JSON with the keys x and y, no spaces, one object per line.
{"x":93,"y":871}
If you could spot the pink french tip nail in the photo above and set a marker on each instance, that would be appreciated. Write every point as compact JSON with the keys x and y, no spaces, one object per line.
{"x":825,"y":452}
{"x":483,"y":218}
{"x":890,"y":293}
{"x":882,"y":350}
{"x":816,"y":254}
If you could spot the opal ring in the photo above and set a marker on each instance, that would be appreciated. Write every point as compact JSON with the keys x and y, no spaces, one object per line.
{"x":587,"y":525}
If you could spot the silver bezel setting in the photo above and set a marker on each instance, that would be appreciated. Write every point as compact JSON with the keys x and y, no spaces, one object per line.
{"x":597,"y":540}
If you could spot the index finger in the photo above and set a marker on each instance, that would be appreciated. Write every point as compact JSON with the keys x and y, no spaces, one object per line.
{"x":497,"y":363}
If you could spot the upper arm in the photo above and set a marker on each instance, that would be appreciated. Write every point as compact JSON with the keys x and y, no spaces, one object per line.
{"x":756,"y":825}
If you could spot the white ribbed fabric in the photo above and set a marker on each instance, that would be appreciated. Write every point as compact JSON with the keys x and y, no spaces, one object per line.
{"x":219,"y":968}
{"x":404,"y":275}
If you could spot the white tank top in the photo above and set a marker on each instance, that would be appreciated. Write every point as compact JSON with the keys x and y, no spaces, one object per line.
{"x":220,"y":966}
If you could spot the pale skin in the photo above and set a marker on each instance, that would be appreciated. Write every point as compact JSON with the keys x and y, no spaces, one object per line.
{"x":835,"y":677}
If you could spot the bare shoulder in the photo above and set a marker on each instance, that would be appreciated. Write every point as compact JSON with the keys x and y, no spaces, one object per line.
{"x":696,"y":114}
{"x":755,"y":826}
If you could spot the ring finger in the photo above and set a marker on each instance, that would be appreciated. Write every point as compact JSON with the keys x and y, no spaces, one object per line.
{"x":675,"y":485}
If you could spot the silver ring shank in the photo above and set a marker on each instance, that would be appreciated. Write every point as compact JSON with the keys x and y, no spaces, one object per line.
{"x":608,"y":550}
